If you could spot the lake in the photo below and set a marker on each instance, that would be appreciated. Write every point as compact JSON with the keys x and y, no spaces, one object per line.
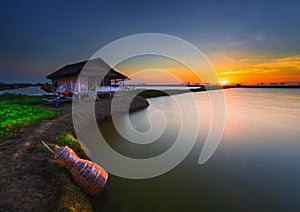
{"x":256,"y":167}
{"x":31,"y":91}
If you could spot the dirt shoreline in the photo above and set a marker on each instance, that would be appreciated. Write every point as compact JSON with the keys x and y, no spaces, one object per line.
{"x":29,"y":180}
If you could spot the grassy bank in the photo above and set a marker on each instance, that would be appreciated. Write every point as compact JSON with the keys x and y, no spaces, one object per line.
{"x":59,"y":190}
{"x":73,"y":198}
{"x":19,"y":110}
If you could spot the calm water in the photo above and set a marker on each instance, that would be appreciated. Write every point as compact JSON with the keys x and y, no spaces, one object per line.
{"x":255,"y":168}
{"x":169,"y":87}
{"x":32,"y":91}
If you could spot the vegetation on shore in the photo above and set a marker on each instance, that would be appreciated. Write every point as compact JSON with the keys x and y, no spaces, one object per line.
{"x":72,"y":198}
{"x":18,"y":110}
{"x":47,"y":88}
{"x":67,"y":139}
{"x":21,"y":110}
{"x":4,"y":86}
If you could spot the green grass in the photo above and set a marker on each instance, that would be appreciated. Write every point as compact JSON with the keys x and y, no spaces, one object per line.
{"x":17,"y":111}
{"x":72,"y":197}
{"x":22,"y":99}
{"x":69,"y":140}
{"x":44,"y":150}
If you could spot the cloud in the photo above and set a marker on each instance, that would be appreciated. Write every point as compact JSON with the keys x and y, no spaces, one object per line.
{"x":291,"y":63}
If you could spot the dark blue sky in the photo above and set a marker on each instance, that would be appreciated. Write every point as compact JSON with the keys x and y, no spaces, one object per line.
{"x":38,"y":37}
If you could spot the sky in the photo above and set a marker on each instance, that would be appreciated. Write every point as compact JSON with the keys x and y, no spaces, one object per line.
{"x":247,"y":42}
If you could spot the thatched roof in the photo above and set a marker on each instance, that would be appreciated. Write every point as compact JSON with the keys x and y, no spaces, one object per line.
{"x":95,"y":67}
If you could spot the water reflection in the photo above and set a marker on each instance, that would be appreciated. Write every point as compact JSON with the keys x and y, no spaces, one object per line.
{"x":256,"y":166}
{"x":31,"y":91}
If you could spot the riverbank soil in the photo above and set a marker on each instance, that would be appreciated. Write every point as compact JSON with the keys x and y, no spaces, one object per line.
{"x":29,"y":179}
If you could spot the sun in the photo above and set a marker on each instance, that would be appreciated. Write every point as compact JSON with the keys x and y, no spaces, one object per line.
{"x":223,"y":82}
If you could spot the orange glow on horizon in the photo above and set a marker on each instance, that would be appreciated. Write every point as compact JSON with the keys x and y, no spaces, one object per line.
{"x":254,"y":71}
{"x":229,"y":70}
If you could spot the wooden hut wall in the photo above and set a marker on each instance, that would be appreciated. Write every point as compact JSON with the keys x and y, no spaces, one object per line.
{"x":67,"y":82}
{"x":82,"y":83}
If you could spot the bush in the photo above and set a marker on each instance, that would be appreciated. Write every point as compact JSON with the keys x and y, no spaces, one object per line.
{"x":67,"y":139}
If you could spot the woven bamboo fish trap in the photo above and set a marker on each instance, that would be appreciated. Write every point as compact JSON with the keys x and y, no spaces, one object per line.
{"x":87,"y":174}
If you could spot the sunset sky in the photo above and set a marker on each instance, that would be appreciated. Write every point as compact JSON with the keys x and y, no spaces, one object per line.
{"x":246,"y":41}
